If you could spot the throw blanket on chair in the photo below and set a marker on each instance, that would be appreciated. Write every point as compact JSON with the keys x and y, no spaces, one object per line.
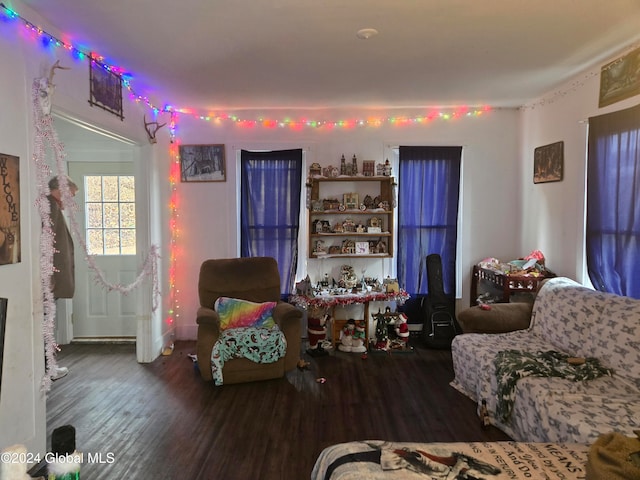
{"x":258,"y":344}
{"x":511,"y":365}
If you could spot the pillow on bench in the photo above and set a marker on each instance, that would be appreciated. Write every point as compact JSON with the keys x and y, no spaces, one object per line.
{"x":500,"y":318}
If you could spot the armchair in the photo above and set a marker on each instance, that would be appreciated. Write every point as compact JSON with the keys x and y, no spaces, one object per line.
{"x":255,"y":279}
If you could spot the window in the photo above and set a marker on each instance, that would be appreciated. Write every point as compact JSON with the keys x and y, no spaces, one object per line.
{"x":110,"y":214}
{"x":271,"y":183}
{"x":428,"y":192}
{"x":613,"y":202}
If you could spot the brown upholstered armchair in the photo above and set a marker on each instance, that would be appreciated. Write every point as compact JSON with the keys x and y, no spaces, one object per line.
{"x":255,"y":279}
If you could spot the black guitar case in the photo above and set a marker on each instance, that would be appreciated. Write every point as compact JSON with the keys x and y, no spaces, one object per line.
{"x":440,"y":324}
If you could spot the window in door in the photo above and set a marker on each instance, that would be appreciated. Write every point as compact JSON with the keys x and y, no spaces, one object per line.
{"x":110,"y":214}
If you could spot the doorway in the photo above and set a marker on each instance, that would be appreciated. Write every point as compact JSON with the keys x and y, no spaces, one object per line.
{"x":102,"y":164}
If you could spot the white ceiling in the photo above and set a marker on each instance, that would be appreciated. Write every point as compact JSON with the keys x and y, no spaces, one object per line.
{"x":258,"y":54}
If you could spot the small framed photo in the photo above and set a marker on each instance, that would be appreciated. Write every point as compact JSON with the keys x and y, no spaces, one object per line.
{"x":548,"y":163}
{"x":202,"y":163}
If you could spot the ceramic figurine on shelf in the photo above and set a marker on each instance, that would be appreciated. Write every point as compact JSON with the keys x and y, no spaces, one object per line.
{"x":387,"y":168}
{"x":315,"y":170}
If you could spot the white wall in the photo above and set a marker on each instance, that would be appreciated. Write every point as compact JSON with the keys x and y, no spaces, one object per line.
{"x":552,"y":218}
{"x":22,"y":406}
{"x":22,"y":59}
{"x":490,"y":196}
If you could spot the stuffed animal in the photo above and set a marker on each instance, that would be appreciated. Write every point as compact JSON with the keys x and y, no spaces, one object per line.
{"x":402,"y":328}
{"x":316,"y":328}
{"x":346,"y":336}
{"x":359,"y":338}
{"x":352,"y":338}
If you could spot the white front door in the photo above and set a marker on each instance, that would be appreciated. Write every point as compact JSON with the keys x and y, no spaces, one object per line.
{"x":106,"y":214}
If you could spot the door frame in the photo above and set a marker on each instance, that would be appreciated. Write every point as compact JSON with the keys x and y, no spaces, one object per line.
{"x":145,"y":351}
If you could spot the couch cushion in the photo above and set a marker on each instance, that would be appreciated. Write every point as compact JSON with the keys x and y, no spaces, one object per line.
{"x":564,"y":315}
{"x":556,"y":410}
{"x":616,"y":337}
{"x":236,"y":313}
{"x":473,"y":360}
{"x":500,"y":318}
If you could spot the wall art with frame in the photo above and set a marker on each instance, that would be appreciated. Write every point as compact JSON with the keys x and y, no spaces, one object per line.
{"x":105,"y":88}
{"x":10,"y":251}
{"x":548,"y":163}
{"x":202,"y":163}
{"x":620,"y":79}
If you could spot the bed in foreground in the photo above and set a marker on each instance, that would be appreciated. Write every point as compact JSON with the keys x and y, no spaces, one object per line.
{"x":380,"y":460}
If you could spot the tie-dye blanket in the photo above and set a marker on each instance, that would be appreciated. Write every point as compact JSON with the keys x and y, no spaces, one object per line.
{"x":260,"y":345}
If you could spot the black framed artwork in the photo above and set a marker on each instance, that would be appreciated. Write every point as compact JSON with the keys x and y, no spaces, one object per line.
{"x":202,"y":163}
{"x":105,"y":88}
{"x":620,"y":79}
{"x":548,"y":163}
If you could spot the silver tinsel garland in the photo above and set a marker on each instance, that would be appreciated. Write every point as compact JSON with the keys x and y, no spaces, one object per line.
{"x":46,"y":135}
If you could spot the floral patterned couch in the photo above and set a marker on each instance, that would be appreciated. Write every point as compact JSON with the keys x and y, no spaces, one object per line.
{"x":573,"y":320}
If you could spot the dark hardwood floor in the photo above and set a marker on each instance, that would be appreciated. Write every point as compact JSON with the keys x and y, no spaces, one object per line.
{"x":161,"y":421}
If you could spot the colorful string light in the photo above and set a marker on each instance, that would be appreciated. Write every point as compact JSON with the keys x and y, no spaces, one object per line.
{"x":221,"y":117}
{"x":347,"y":124}
{"x":174,"y":179}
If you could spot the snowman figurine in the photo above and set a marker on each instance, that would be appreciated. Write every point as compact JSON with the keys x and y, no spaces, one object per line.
{"x":359,"y":339}
{"x":352,"y":338}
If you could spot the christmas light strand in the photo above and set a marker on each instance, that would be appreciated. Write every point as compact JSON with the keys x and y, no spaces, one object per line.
{"x":219,"y":118}
{"x":174,"y":179}
{"x":452,"y":113}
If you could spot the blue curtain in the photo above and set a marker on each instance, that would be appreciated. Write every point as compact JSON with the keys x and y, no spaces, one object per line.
{"x":613,"y":202}
{"x":270,"y":209}
{"x":428,"y":191}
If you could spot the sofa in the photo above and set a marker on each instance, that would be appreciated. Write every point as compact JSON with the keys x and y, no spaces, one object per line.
{"x":255,"y":279}
{"x":575,"y":322}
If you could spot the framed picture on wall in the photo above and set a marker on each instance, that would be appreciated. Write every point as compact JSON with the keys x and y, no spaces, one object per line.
{"x":620,"y":79}
{"x":202,"y":163}
{"x":548,"y":163}
{"x":9,"y":209}
{"x":105,"y":88}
